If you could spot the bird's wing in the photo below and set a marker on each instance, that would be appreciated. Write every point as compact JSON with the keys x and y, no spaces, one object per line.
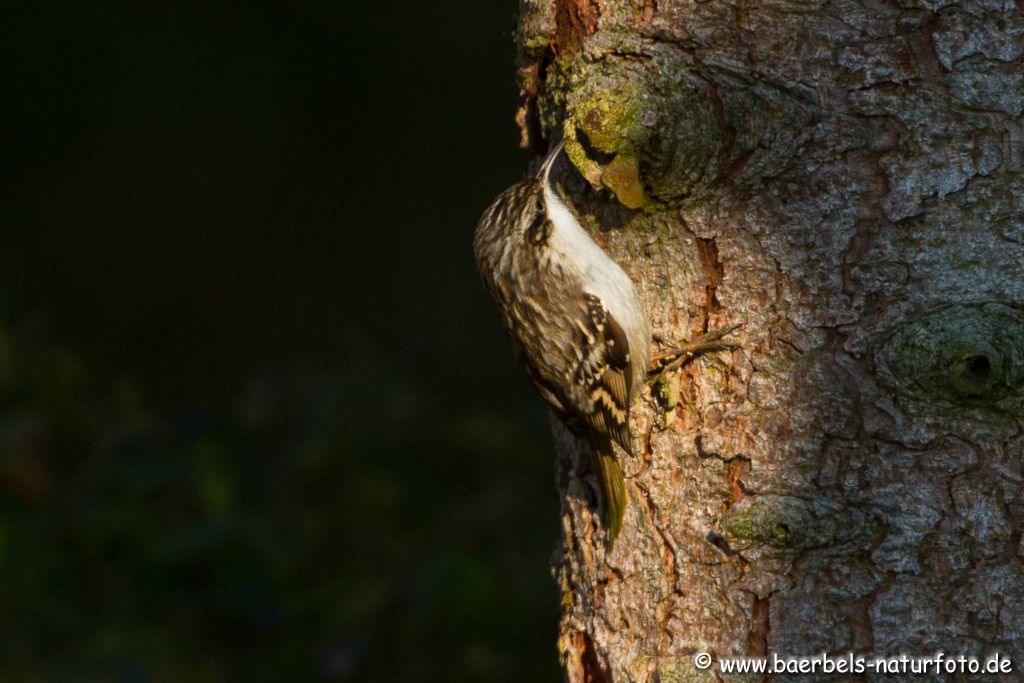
{"x":604,"y":372}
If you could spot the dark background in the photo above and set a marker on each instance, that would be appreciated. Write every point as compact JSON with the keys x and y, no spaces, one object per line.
{"x":258,"y":420}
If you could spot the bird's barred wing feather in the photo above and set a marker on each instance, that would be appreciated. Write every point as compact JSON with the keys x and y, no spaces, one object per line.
{"x":604,"y":372}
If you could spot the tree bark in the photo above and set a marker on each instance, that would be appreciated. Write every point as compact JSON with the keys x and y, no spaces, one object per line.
{"x":845,"y":178}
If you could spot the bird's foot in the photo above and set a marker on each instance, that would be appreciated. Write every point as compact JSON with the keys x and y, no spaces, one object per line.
{"x":674,"y":357}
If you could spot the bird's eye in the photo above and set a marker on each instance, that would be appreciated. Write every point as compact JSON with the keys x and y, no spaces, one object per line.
{"x":538,"y":230}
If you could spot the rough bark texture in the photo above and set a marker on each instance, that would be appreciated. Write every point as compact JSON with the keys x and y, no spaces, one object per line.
{"x":846,"y":178}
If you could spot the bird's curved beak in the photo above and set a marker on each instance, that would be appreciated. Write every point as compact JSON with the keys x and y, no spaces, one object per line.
{"x":545,"y":169}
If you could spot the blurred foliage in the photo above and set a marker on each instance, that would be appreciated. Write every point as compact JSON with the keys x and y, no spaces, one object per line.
{"x":258,"y":420}
{"x":318,"y":528}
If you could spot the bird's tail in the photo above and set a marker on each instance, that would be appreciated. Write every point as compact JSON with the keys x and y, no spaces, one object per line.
{"x":613,"y":485}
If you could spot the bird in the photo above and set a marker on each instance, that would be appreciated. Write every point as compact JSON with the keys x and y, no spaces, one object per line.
{"x":576,"y":322}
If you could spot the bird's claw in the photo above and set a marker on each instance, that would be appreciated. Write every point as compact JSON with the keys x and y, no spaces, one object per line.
{"x":675,"y":357}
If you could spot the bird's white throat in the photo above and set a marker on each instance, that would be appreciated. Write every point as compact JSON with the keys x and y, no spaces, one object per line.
{"x":597,"y":272}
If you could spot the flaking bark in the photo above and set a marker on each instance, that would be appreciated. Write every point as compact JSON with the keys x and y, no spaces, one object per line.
{"x":846,"y":178}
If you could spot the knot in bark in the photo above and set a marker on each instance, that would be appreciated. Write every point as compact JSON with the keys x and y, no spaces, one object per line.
{"x":958,"y":356}
{"x":658,"y":129}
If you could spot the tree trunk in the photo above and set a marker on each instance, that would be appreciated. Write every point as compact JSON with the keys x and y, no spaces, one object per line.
{"x":845,"y":178}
